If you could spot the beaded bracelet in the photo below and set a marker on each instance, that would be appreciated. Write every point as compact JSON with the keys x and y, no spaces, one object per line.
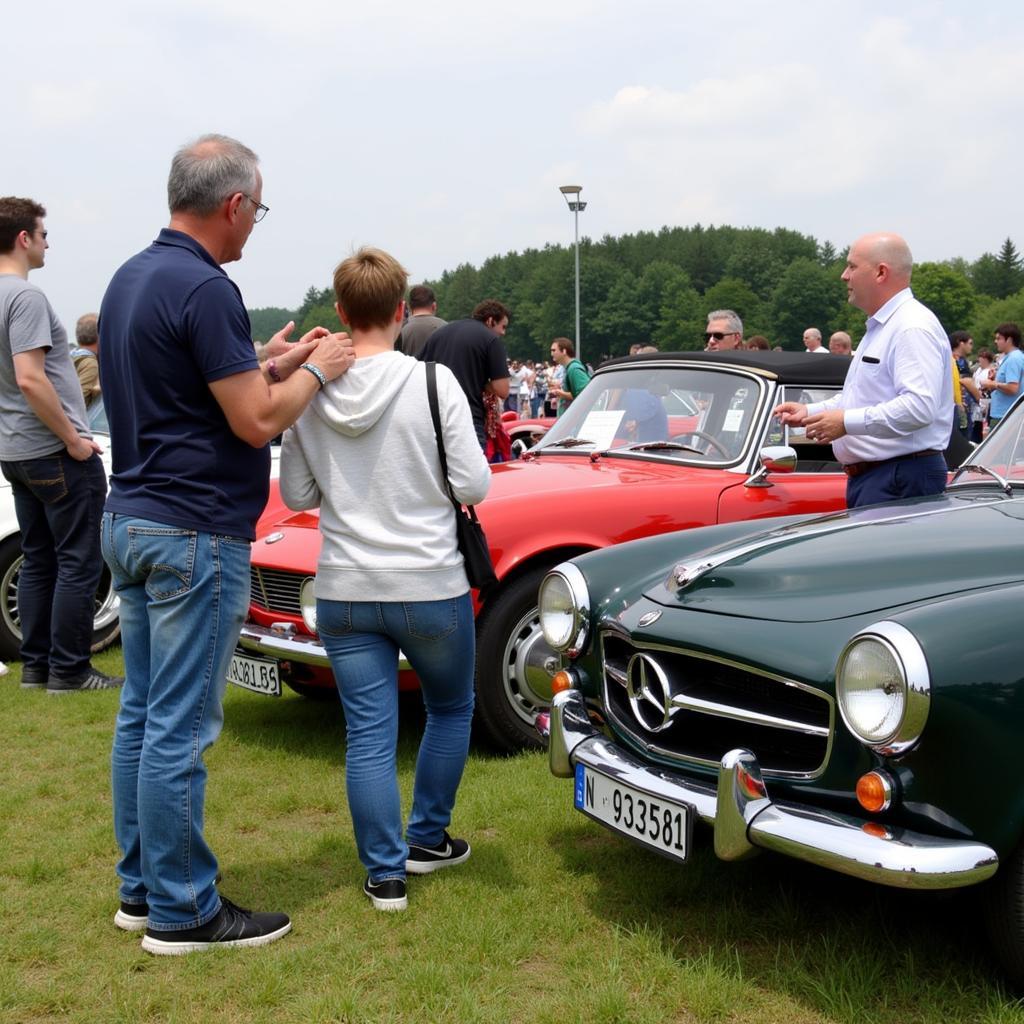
{"x":317,"y":372}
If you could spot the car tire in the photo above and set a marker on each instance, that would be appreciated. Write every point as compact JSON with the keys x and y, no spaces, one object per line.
{"x":106,"y":625}
{"x":1004,"y":916}
{"x":512,"y":665}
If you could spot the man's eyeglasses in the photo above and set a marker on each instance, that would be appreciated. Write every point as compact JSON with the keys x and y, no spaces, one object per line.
{"x":719,"y":335}
{"x":261,"y":210}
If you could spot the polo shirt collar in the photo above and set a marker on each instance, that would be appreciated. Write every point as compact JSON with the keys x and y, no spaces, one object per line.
{"x":884,"y":312}
{"x":178,"y":239}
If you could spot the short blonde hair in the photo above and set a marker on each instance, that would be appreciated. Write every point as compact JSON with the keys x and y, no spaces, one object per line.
{"x":369,"y":286}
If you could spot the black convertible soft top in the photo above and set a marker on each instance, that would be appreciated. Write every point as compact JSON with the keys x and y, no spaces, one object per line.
{"x":788,"y":367}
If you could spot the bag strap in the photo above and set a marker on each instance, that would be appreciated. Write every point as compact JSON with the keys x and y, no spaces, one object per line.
{"x":435,"y":415}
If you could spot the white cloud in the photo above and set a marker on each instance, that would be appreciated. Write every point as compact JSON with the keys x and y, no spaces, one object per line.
{"x":443,"y":131}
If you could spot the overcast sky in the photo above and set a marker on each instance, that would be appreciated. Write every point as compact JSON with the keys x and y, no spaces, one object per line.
{"x":442,"y":131}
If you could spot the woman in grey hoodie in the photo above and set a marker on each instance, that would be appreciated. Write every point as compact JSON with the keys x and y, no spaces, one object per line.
{"x":390,"y":577}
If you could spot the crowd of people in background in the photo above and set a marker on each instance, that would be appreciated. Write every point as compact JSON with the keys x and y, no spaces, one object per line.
{"x":532,"y":389}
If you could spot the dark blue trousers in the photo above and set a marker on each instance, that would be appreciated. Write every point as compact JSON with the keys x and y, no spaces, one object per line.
{"x":898,"y":478}
{"x":58,"y":502}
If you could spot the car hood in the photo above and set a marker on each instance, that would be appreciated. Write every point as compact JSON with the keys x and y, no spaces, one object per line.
{"x":855,"y":562}
{"x":549,"y":474}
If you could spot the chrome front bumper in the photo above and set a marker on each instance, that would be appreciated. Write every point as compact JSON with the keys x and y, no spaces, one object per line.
{"x":745,"y":818}
{"x":283,"y":643}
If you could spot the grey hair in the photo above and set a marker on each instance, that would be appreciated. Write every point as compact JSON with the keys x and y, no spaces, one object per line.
{"x":813,"y":332}
{"x":205,"y":172}
{"x":735,"y":323}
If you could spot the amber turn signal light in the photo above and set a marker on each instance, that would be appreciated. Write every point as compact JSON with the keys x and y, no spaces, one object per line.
{"x":561,"y":681}
{"x":874,"y":791}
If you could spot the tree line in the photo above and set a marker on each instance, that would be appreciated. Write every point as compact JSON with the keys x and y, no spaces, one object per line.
{"x":657,"y":288}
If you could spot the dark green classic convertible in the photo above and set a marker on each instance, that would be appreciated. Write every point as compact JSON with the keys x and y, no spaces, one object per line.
{"x":847,"y":690}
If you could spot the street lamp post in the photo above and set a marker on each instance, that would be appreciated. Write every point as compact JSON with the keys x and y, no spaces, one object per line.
{"x":572,"y":197}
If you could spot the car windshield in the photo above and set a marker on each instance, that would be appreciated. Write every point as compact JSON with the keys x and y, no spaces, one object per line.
{"x":690,"y":413}
{"x":1002,"y":452}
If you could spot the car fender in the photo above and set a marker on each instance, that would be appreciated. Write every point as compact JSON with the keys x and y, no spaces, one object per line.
{"x":977,"y":692}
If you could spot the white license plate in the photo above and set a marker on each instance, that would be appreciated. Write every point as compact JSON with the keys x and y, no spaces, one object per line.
{"x":257,"y":674}
{"x":663,"y":825}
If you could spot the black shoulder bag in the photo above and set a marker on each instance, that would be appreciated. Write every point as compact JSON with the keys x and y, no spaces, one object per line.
{"x":469,"y":534}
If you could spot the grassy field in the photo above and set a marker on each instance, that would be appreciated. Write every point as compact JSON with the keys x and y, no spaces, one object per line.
{"x":552,"y":920}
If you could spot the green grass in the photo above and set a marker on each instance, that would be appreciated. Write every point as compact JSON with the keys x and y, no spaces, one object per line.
{"x":552,"y":920}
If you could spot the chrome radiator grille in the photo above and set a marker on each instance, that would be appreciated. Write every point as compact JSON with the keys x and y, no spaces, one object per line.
{"x":691,"y":708}
{"x":276,"y":590}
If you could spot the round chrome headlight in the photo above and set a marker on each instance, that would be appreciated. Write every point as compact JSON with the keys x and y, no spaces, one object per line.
{"x":883,"y":688}
{"x":307,"y":603}
{"x":565,"y":609}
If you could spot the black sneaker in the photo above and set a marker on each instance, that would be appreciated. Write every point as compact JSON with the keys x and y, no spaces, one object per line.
{"x":386,"y":895}
{"x":132,"y":917}
{"x":449,"y":852}
{"x":90,"y":679}
{"x":34,"y":678}
{"x":232,"y":926}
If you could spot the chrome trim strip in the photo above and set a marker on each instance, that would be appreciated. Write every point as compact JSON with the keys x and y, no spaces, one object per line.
{"x":306,"y":650}
{"x":704,"y":562}
{"x":710,"y":707}
{"x":897,"y":857}
{"x":619,"y":677}
{"x":653,"y":748}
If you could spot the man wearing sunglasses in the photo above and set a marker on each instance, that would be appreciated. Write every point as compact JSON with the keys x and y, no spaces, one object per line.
{"x":724,"y":331}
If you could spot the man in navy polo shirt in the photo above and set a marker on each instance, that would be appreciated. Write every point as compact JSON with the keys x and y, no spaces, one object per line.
{"x":191,"y":413}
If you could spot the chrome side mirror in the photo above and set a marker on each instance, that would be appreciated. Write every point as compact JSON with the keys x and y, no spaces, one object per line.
{"x":774,"y":459}
{"x":518,"y":447}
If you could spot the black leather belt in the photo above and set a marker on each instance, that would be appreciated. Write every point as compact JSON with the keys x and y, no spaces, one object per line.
{"x":856,"y":468}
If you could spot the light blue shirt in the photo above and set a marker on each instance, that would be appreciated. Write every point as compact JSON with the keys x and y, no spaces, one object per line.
{"x":898,"y":395}
{"x":1010,"y":369}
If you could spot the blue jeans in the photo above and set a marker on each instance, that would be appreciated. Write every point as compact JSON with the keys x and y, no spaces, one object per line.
{"x":58,"y":501}
{"x":362,"y":639}
{"x":184,"y":596}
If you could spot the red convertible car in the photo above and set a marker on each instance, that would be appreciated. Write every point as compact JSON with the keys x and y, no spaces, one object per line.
{"x":656,"y":442}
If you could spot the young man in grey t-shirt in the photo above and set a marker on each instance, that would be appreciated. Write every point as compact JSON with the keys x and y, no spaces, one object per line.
{"x":48,"y":456}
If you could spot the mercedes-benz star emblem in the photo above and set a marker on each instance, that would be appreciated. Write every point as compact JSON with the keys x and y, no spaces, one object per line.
{"x":650,"y":695}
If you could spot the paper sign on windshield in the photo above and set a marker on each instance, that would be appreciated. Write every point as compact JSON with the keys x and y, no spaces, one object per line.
{"x":600,"y":427}
{"x":733,"y":421}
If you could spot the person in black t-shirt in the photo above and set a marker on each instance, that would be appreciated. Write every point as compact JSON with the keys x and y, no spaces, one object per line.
{"x":472,"y":349}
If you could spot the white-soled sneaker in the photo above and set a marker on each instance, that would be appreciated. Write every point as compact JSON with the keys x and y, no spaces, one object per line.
{"x":388,"y":894}
{"x":449,"y":852}
{"x":231,"y":926}
{"x":132,"y":917}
